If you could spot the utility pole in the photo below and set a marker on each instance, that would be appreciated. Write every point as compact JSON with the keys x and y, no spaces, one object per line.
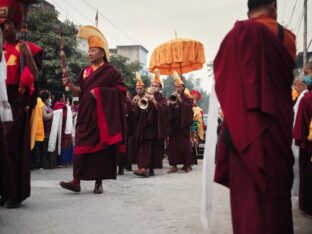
{"x":305,"y":32}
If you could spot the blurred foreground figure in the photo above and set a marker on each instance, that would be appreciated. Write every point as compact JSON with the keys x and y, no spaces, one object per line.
{"x":253,"y":73}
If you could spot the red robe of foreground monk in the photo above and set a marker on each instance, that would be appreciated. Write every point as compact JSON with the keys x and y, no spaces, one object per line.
{"x":18,"y":132}
{"x":253,"y":72}
{"x":101,"y":124}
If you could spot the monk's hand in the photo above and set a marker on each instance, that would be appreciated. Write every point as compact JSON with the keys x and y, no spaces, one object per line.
{"x":135,"y":100}
{"x":93,"y":93}
{"x":66,"y":80}
{"x":24,"y":49}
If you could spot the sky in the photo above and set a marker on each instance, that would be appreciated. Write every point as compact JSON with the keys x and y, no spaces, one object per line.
{"x":152,"y":22}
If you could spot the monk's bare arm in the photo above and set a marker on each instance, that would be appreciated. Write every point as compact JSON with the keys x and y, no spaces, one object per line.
{"x":30,"y":62}
{"x":74,"y":89}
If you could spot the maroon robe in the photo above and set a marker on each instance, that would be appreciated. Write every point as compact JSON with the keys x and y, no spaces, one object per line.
{"x":253,"y":73}
{"x":18,"y":131}
{"x":301,"y":131}
{"x":131,"y":144}
{"x":151,"y":129}
{"x":7,"y":188}
{"x":180,"y":148}
{"x":101,"y":126}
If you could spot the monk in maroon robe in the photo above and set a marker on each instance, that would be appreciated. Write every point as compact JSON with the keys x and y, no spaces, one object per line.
{"x":151,"y":129}
{"x":101,"y":123}
{"x":131,"y":122}
{"x":7,"y":188}
{"x":303,"y":137}
{"x":253,"y":73}
{"x":20,"y":89}
{"x":180,"y":148}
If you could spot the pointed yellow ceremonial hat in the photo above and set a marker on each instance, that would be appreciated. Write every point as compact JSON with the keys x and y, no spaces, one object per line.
{"x":95,"y":38}
{"x":177,"y":78}
{"x":139,"y":81}
{"x":157,"y":77}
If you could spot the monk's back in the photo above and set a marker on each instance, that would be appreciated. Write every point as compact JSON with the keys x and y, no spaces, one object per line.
{"x":289,"y":38}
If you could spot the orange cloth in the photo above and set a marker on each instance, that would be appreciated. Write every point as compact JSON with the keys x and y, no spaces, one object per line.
{"x":294,"y":94}
{"x":181,"y":54}
{"x":157,"y":77}
{"x":138,"y":78}
{"x":289,"y":38}
{"x":36,"y":124}
{"x":177,"y":78}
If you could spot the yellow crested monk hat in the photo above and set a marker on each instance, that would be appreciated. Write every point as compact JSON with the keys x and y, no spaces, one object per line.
{"x":157,"y":77}
{"x":177,"y":78}
{"x":139,"y":82}
{"x":95,"y":38}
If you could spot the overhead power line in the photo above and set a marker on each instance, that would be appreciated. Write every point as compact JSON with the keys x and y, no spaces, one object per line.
{"x":292,"y":14}
{"x":88,"y":19}
{"x":128,"y":36}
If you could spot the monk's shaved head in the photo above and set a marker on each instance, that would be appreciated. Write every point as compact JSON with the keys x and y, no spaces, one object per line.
{"x":254,"y":4}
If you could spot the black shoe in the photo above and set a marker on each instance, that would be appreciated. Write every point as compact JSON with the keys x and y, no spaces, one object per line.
{"x":128,"y":167}
{"x":70,"y":186}
{"x":121,"y":170}
{"x":11,"y":204}
{"x":3,"y":201}
{"x":151,"y":172}
{"x":141,"y":174}
{"x":98,"y":188}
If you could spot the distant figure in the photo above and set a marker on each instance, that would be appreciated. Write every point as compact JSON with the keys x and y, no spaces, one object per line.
{"x":180,"y":149}
{"x":303,"y":138}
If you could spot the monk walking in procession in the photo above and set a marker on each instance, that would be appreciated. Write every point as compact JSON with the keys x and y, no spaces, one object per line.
{"x":253,"y":73}
{"x":152,"y":117}
{"x":180,"y":148}
{"x":20,"y":88}
{"x":303,"y":138}
{"x":101,"y":122}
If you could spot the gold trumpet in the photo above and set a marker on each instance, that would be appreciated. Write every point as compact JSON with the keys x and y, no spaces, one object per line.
{"x":144,"y":101}
{"x":174,"y":98}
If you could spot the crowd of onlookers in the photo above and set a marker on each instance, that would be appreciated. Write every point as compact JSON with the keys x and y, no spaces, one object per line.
{"x":50,"y":153}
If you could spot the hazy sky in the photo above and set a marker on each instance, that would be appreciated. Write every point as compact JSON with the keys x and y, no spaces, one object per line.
{"x":152,"y":22}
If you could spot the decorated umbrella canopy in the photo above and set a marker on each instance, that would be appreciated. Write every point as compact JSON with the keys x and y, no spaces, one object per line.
{"x":181,"y":55}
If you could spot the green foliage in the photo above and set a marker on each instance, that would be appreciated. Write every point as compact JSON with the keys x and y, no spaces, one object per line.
{"x":128,"y":70}
{"x":42,"y":30}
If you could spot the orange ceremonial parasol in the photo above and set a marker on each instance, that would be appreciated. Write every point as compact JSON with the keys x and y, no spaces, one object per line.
{"x":181,"y":54}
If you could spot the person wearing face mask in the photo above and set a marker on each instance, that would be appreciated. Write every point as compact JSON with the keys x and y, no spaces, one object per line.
{"x":253,"y":78}
{"x":49,"y":158}
{"x":303,"y":138}
{"x":301,"y":88}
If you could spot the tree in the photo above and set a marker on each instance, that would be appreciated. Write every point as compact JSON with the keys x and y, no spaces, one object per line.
{"x":42,"y":27}
{"x":128,"y":70}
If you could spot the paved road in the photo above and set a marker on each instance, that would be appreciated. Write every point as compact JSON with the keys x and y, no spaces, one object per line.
{"x":162,"y":204}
